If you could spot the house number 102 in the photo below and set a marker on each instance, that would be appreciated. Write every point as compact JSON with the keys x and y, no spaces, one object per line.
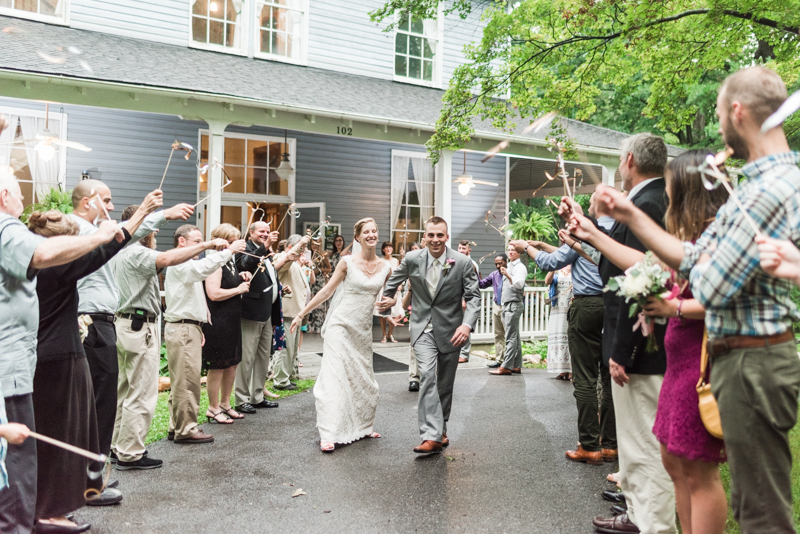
{"x":344,"y":130}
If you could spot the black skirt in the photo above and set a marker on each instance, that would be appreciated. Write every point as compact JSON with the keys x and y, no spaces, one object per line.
{"x":63,"y":407}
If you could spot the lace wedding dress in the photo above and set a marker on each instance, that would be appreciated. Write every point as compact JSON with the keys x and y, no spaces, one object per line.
{"x":346,"y":392}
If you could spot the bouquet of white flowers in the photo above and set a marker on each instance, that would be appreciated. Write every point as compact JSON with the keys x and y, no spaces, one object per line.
{"x":644,"y":279}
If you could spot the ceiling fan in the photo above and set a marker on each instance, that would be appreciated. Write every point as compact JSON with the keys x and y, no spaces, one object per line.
{"x":46,"y":139}
{"x":465,"y":181}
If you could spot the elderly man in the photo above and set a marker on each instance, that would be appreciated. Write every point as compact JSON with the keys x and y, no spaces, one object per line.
{"x":98,"y":298}
{"x":260,"y":314}
{"x":22,"y":253}
{"x":138,"y":329}
{"x":465,"y":249}
{"x":186,"y":313}
{"x":290,"y":274}
{"x":495,"y":281}
{"x":512,"y":297}
{"x":755,"y":372}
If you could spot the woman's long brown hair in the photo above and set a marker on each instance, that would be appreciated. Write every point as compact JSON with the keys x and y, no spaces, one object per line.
{"x":692,"y":207}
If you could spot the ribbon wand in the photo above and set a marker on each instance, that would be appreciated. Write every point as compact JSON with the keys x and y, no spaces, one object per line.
{"x":71,"y":448}
{"x":176,"y":145}
{"x":229,"y":182}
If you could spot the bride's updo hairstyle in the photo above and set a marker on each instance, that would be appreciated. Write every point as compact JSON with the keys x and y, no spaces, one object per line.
{"x":360,"y":226}
{"x":52,"y":223}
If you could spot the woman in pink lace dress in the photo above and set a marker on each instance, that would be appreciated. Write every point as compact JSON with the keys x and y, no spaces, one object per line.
{"x":690,"y":454}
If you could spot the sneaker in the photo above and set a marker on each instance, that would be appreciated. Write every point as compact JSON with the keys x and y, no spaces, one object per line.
{"x":142,"y":463}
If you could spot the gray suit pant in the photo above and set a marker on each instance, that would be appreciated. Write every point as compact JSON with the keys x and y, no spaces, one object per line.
{"x":512,"y":311}
{"x":437,"y":373}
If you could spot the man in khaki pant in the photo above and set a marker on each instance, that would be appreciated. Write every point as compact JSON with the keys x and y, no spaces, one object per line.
{"x":138,"y":328}
{"x":185,"y":315}
{"x":290,"y":274}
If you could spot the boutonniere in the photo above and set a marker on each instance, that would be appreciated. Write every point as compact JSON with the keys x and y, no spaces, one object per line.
{"x":448,"y":265}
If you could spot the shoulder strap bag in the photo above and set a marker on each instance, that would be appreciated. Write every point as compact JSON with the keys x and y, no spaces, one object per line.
{"x":709,"y":411}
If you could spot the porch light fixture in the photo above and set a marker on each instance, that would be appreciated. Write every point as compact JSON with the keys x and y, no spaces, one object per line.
{"x":285,"y":170}
{"x":465,"y":181}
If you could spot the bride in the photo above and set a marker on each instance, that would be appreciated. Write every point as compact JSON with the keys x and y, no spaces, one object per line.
{"x":346,"y":392}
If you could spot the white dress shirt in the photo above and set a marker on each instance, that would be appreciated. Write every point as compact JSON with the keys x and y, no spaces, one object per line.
{"x":513,"y":289}
{"x":184,"y":289}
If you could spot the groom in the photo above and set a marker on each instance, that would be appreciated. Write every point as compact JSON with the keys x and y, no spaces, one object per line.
{"x":440,"y":279}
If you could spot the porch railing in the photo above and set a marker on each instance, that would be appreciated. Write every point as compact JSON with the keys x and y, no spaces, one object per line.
{"x":533,"y":324}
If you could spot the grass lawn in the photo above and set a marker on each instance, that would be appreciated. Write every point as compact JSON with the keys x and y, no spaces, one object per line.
{"x":160,"y":424}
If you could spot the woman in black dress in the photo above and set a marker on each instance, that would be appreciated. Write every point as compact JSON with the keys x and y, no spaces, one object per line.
{"x":63,"y":397}
{"x":222,"y":350}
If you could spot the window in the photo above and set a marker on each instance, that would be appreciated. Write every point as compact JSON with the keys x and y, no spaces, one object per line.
{"x":280,"y":28}
{"x":37,"y":169}
{"x":412,"y":204}
{"x":217,"y":22}
{"x":36,"y":9}
{"x":417,"y":50}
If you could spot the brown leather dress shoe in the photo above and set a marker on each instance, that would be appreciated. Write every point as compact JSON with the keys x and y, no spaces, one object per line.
{"x":517,"y":371}
{"x":429,"y":447}
{"x":445,"y":440}
{"x":462,"y":360}
{"x":582,"y":455}
{"x":500,"y":371}
{"x":200,"y":437}
{"x":609,"y":455}
{"x":619,"y":524}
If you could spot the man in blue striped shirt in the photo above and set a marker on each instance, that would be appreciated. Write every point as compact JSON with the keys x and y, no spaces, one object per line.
{"x":755,"y":370}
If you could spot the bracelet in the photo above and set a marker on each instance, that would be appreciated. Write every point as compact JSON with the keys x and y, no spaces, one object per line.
{"x":680,"y":313}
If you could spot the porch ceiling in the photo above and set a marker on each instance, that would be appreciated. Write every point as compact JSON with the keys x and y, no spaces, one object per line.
{"x":134,"y":74}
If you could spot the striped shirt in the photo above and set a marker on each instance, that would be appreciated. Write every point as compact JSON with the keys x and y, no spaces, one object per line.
{"x":739,"y":297}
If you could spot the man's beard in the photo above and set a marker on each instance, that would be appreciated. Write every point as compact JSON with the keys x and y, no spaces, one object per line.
{"x":734,"y":140}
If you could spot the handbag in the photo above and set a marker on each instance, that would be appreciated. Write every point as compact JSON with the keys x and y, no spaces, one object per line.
{"x":709,"y":411}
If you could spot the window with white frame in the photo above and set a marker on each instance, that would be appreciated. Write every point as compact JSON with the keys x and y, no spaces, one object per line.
{"x":281,"y":28}
{"x":413,"y":200}
{"x":47,"y":10}
{"x":417,"y":50}
{"x":217,"y":23}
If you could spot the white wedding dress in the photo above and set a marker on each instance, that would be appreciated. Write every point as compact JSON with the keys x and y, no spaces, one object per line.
{"x":346,"y":392}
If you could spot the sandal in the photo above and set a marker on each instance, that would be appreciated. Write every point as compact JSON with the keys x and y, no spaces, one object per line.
{"x":326,"y":446}
{"x":383,"y":340}
{"x":213,"y":418}
{"x":374,"y":435}
{"x":268,"y":393}
{"x":392,"y":339}
{"x":230,"y":412}
{"x":563,"y":376}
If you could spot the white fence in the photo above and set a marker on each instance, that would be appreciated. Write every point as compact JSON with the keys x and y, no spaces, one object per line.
{"x":533,"y":324}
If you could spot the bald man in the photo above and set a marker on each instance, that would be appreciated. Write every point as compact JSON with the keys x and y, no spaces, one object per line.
{"x":98,"y":298}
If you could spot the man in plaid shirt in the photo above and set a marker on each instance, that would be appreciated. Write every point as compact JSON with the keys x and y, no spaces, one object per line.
{"x":755,"y":370}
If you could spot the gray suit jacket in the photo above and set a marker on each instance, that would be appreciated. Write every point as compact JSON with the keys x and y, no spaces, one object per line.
{"x":457,"y":283}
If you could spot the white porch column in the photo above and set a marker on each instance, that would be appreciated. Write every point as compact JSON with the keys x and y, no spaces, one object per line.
{"x":216,"y":152}
{"x":444,"y":187}
{"x":608,"y":175}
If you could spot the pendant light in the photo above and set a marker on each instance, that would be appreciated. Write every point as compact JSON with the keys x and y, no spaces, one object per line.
{"x":285,"y":170}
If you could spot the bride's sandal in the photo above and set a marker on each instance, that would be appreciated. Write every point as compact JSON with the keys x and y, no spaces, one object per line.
{"x":326,"y":446}
{"x":374,"y":435}
{"x":215,"y":417}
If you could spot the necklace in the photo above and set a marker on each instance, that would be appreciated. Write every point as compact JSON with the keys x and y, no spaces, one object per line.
{"x":367,"y":268}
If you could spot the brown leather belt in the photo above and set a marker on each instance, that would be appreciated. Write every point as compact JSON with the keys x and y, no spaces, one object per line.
{"x":724,"y":345}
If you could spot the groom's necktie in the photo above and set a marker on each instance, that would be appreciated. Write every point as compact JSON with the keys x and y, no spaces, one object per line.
{"x":433,"y":276}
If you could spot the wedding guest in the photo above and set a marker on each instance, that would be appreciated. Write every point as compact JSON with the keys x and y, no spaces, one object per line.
{"x":689,"y":453}
{"x":24,"y":253}
{"x":290,"y":274}
{"x":261,"y":315}
{"x":414,"y":246}
{"x":387,"y":249}
{"x":322,"y":270}
{"x":222,"y":350}
{"x":514,"y":277}
{"x":63,"y":402}
{"x":98,"y":298}
{"x":755,"y":372}
{"x":560,"y":294}
{"x":138,"y":328}
{"x":495,"y":281}
{"x":186,"y":313}
{"x":339,"y":250}
{"x":636,"y":375}
{"x":465,"y":249}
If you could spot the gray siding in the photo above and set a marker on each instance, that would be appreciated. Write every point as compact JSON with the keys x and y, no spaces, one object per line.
{"x":129,"y":153}
{"x":469,"y":213}
{"x":165,"y":21}
{"x":457,"y":34}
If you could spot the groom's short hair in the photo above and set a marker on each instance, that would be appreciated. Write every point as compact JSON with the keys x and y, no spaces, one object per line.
{"x":437,"y":220}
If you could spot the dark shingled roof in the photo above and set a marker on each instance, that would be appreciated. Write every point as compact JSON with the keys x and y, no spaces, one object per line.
{"x":111,"y":58}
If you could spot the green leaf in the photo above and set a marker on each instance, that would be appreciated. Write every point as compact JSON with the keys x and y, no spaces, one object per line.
{"x":633,"y":309}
